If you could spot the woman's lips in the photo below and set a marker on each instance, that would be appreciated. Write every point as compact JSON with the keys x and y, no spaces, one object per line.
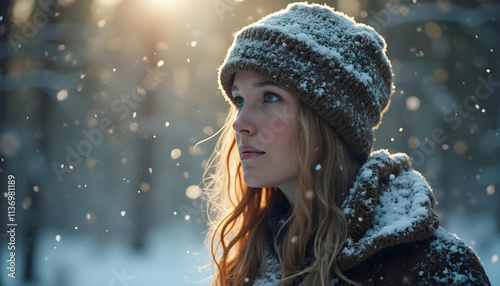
{"x":249,"y":152}
{"x":250,"y":155}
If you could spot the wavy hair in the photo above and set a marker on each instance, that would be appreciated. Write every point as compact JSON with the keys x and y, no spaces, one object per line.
{"x":237,"y":214}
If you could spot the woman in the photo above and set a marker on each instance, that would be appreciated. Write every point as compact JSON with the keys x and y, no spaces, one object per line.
{"x":295,"y":193}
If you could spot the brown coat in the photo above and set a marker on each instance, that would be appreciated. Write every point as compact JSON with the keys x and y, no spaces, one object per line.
{"x":394,"y":236}
{"x":441,"y":260}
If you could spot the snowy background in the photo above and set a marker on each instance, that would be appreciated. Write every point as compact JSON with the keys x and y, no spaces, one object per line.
{"x":102,"y":102}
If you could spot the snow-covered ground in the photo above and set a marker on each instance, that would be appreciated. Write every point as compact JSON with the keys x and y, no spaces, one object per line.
{"x":172,"y":256}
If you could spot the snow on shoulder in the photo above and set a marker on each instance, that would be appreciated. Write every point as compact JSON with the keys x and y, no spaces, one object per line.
{"x":389,"y":204}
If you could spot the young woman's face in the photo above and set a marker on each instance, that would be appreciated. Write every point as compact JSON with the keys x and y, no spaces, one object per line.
{"x":265,"y":127}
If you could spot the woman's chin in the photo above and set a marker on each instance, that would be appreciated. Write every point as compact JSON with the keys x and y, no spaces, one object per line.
{"x":255,"y":184}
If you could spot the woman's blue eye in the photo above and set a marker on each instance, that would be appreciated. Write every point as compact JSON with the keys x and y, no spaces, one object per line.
{"x":270,"y":97}
{"x":238,"y":101}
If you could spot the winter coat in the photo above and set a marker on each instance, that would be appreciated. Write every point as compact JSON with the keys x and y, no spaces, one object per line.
{"x":394,"y":236}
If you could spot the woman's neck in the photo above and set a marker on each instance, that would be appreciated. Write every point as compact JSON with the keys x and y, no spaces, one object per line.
{"x":290,"y":189}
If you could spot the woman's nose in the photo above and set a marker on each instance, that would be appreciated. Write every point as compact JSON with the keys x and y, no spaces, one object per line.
{"x":244,"y":123}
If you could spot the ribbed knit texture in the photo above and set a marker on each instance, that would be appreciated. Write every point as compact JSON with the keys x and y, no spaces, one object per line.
{"x":389,"y":204}
{"x":332,"y":64}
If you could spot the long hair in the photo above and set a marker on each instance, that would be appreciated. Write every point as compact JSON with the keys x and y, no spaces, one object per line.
{"x":237,"y":214}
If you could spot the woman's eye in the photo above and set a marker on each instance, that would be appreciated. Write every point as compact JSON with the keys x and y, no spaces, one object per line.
{"x":270,"y":97}
{"x":238,"y":101}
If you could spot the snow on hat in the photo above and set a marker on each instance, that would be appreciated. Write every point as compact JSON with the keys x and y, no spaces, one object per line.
{"x":334,"y":65}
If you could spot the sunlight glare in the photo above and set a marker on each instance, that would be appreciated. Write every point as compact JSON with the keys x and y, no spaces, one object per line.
{"x":161,"y":3}
{"x":110,"y":3}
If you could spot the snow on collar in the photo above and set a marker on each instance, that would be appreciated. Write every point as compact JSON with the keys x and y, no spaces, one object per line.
{"x":389,"y":204}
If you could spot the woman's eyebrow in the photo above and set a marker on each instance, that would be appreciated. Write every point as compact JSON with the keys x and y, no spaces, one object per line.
{"x":264,"y":83}
{"x":256,"y":85}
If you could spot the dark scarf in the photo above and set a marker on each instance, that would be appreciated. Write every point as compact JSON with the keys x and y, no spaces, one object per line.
{"x":279,"y":212}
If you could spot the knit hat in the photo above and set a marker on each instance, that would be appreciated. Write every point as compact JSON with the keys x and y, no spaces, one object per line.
{"x":334,"y":65}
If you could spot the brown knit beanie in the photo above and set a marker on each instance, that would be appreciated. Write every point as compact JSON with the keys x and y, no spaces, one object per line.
{"x":332,"y":64}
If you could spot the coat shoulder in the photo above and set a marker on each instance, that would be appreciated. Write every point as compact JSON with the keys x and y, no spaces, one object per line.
{"x":443,"y":259}
{"x":449,"y":261}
